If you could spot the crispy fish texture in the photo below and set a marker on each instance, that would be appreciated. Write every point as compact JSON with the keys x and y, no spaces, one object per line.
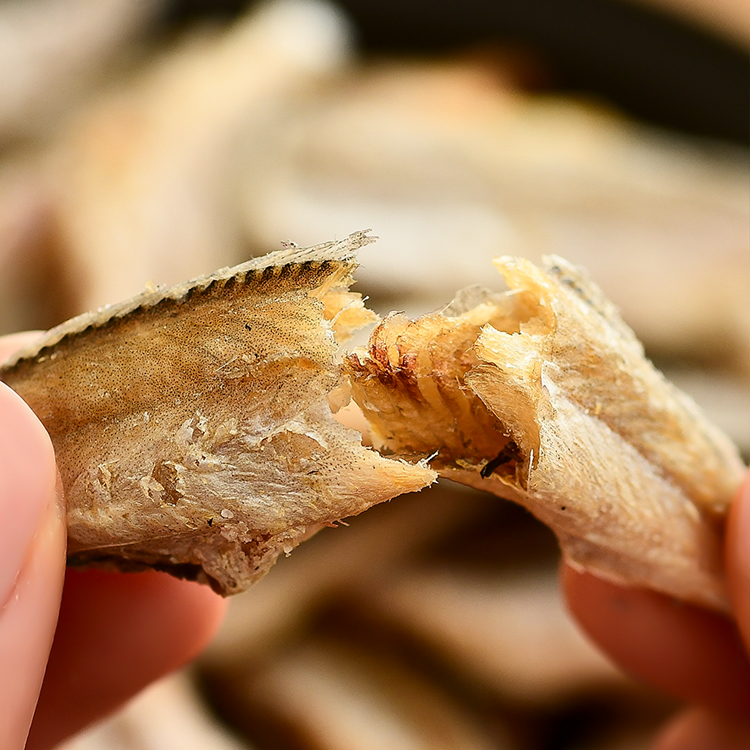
{"x":193,"y":428}
{"x":542,"y":395}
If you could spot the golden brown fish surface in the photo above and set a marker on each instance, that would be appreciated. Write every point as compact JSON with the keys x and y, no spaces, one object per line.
{"x":195,"y":434}
{"x":192,"y":426}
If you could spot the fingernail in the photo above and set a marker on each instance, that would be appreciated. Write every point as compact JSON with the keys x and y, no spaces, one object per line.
{"x":27,"y":482}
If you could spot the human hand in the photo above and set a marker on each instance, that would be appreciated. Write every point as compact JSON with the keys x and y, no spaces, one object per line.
{"x":115,"y":634}
{"x":696,"y":655}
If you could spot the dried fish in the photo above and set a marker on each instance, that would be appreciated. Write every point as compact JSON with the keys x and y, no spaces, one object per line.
{"x":277,"y":610}
{"x":458,"y":157}
{"x":152,"y":170}
{"x":195,"y":434}
{"x":53,"y":53}
{"x":542,"y":395}
{"x":541,"y":657}
{"x":333,"y":696}
{"x":193,"y":428}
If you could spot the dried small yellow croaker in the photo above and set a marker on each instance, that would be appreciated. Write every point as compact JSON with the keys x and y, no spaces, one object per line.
{"x":542,"y":395}
{"x":194,"y":426}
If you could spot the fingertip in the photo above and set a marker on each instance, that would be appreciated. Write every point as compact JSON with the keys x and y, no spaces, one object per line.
{"x":697,"y":729}
{"x":28,"y":485}
{"x":32,"y":560}
{"x":118,"y":633}
{"x":686,"y":651}
{"x":738,"y":558}
{"x":27,"y":458}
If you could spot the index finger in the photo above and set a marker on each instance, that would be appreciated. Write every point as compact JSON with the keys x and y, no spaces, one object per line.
{"x":684,"y":650}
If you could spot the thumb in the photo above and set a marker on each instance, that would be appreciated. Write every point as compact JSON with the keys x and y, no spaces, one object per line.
{"x":32,"y":560}
{"x":738,"y":559}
